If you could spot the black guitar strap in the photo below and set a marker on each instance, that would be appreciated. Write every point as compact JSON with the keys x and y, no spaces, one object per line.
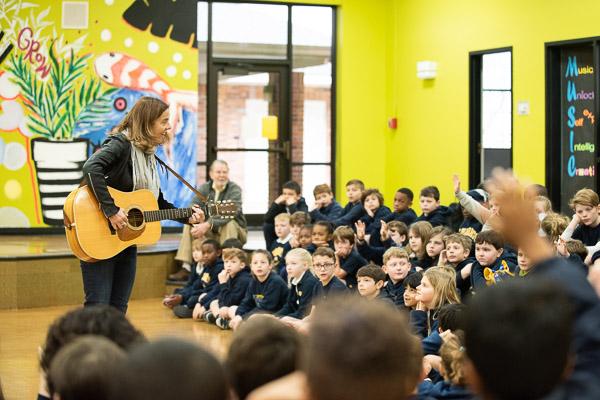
{"x":193,"y":189}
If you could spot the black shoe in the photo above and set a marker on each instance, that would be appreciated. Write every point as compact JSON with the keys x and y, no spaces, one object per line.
{"x":182,"y":311}
{"x":222,"y":323}
{"x":209,"y":317}
{"x":181,"y":275}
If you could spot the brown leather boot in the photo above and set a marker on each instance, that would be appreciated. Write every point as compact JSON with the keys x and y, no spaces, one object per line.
{"x":181,"y":275}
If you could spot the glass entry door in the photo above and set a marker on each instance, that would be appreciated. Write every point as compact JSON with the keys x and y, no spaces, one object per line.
{"x":255,"y":147}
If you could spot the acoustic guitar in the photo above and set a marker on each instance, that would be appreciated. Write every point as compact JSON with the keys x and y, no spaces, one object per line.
{"x":91,"y":237}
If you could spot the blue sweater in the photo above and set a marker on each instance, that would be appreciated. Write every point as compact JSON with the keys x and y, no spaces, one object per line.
{"x":232,"y":292}
{"x":407,"y":216}
{"x":499,"y":267}
{"x":333,"y":288}
{"x":437,"y":217}
{"x":299,"y":298}
{"x":351,"y":213}
{"x":373,"y":224}
{"x":396,"y":292}
{"x":351,"y":264}
{"x":330,"y":213}
{"x":197,"y":285}
{"x":443,"y":390}
{"x":268,"y":296}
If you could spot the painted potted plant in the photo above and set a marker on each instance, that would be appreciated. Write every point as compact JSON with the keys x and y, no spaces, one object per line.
{"x":66,"y":96}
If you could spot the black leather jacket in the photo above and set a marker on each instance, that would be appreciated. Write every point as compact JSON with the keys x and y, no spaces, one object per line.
{"x":112,"y":166}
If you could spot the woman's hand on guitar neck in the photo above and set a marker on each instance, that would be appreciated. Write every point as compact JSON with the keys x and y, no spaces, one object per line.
{"x":118,"y":220}
{"x":197,"y":216}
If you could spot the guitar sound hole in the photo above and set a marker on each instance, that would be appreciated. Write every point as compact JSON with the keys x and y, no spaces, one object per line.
{"x":136,"y":218}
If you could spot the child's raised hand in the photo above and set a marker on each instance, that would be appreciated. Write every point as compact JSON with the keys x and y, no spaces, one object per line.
{"x":383,"y":232}
{"x":456,"y":182}
{"x":443,"y":260}
{"x":223,"y":276}
{"x":360,"y":230}
{"x":281,"y":199}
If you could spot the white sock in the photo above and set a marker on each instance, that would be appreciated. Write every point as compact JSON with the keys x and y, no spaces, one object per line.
{"x":186,"y":266}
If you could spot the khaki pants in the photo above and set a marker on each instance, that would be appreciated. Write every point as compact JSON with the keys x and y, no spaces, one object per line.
{"x":230,"y":230}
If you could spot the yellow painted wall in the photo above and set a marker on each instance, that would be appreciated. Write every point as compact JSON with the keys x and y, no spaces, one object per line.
{"x":432,"y":140}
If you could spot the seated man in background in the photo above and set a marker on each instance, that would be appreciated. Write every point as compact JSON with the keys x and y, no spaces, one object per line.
{"x":218,"y":188}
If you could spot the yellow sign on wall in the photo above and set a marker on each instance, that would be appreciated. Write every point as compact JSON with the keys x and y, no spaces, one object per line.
{"x":270,"y":127}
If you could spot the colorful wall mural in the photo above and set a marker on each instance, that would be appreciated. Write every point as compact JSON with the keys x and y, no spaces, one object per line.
{"x":62,"y":90}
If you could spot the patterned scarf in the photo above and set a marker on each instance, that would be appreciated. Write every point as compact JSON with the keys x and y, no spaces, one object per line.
{"x":145,"y":175}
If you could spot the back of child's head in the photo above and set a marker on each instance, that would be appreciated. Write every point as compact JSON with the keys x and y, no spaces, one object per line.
{"x":197,"y":244}
{"x":231,"y":253}
{"x":323,"y":188}
{"x":491,"y":237}
{"x":356,"y":182}
{"x":443,"y":281}
{"x":84,"y":369}
{"x":343,"y":233}
{"x":293,"y":185}
{"x":372,"y":192}
{"x":232,"y":243}
{"x":452,"y":317}
{"x":575,"y":246}
{"x":262,"y":350}
{"x":399,"y":227}
{"x":325,"y":224}
{"x":464,"y":241}
{"x":324,"y":252}
{"x":431,"y":191}
{"x":371,"y":271}
{"x":413,"y":280}
{"x":554,"y":225}
{"x":585,"y":197}
{"x":300,"y":254}
{"x":172,"y":368}
{"x":212,"y":242}
{"x":535,"y":190}
{"x":299,"y":218}
{"x":395,"y":252}
{"x":409,"y":193}
{"x":282,"y":217}
{"x":370,"y":362}
{"x":452,"y":353}
{"x":521,"y":328}
{"x":442,"y":231}
{"x":102,"y":320}
{"x":263,"y":253}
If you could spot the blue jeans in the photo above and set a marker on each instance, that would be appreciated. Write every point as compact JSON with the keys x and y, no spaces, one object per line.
{"x":110,"y":281}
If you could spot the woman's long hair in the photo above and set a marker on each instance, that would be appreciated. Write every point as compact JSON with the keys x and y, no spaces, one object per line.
{"x":138,"y":121}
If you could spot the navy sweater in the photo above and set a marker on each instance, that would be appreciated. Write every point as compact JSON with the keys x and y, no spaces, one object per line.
{"x":396,"y":292}
{"x":277,"y":209}
{"x":373,"y":224}
{"x":333,"y":288}
{"x":435,"y":218}
{"x":232,"y":292}
{"x":279,"y":251}
{"x":443,"y":390}
{"x":299,"y":298}
{"x":196,"y":285}
{"x":267,"y":296}
{"x":351,"y":213}
{"x":589,"y":236}
{"x":210,"y":279}
{"x":330,"y":213}
{"x":478,"y":280}
{"x":463,"y":285}
{"x":374,"y":253}
{"x":407,"y":216}
{"x":351,"y":265}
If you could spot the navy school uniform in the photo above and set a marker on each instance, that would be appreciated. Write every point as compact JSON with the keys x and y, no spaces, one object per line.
{"x":299,"y":297}
{"x":333,"y":288}
{"x":273,"y":211}
{"x":330,"y":213}
{"x":351,"y":264}
{"x":443,"y":390}
{"x":373,"y":224}
{"x":407,"y":216}
{"x":312,"y":247}
{"x":396,"y":291}
{"x":463,"y":285}
{"x":588,"y":235}
{"x":201,"y":280}
{"x":351,"y":213}
{"x":279,"y":248}
{"x":268,"y":296}
{"x":437,"y":217}
{"x":503,"y":268}
{"x":211,"y":279}
{"x":232,"y":292}
{"x":384,"y":297}
{"x":470,"y":227}
{"x":425,"y":262}
{"x":425,"y":325}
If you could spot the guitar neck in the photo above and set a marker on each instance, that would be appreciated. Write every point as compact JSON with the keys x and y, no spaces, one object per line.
{"x":168,"y":213}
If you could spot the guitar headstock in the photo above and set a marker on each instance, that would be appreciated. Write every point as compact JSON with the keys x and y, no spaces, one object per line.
{"x":225,"y":209}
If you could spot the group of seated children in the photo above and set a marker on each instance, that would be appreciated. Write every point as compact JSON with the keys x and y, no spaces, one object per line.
{"x":423,"y":265}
